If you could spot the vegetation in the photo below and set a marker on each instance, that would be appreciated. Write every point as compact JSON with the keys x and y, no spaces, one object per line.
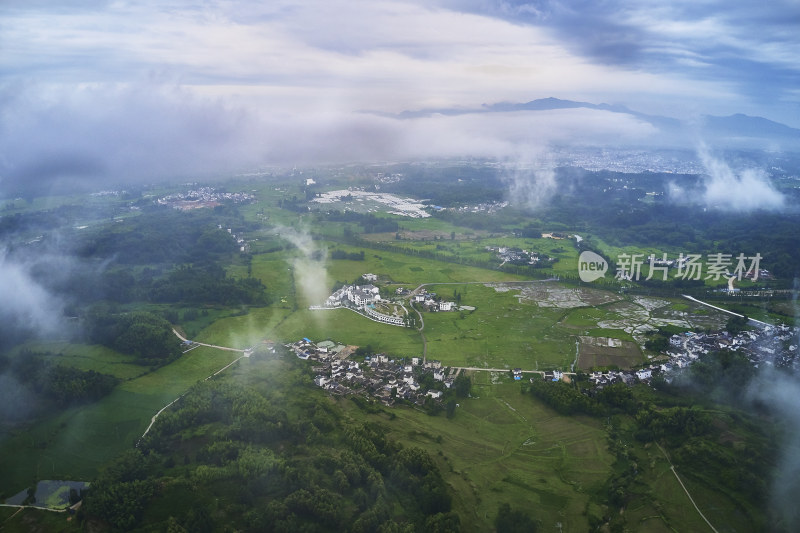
{"x":259,"y":447}
{"x":142,"y":334}
{"x":697,"y":439}
{"x":207,"y":284}
{"x":318,"y":471}
{"x":60,"y":384}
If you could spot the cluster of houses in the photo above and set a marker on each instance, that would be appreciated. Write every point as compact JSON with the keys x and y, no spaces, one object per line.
{"x":550,"y":375}
{"x":357,"y":295}
{"x":362,"y":298}
{"x":430,"y":302}
{"x":484,"y":207}
{"x":203,"y":197}
{"x":629,"y":377}
{"x":516,"y":256}
{"x":772,"y":346}
{"x":244,"y":246}
{"x":379,"y":376}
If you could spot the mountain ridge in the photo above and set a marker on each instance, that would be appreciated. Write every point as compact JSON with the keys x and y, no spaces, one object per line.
{"x":737,"y":125}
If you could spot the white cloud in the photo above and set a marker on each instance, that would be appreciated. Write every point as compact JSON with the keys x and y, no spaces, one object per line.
{"x":138,"y":90}
{"x":744,"y":190}
{"x":387,"y":55}
{"x":24,"y":302}
{"x":308,"y":268}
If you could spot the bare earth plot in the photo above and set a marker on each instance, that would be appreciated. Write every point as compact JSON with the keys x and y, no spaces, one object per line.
{"x":604,"y":351}
{"x":632,"y":316}
{"x":553,"y":295}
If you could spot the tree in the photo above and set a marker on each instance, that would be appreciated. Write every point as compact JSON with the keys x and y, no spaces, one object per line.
{"x":736,"y":324}
{"x":462,"y":385}
{"x":513,"y":521}
{"x":657,"y":344}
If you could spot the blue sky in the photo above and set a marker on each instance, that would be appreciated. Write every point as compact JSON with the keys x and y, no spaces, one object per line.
{"x":177,"y":88}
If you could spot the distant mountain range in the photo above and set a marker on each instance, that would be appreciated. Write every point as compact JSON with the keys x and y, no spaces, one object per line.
{"x":732,"y":127}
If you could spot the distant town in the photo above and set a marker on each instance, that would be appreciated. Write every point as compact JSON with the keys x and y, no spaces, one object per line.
{"x":203,"y":197}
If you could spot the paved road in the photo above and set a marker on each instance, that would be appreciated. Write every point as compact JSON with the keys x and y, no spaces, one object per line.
{"x":759,"y":322}
{"x":540,"y":372}
{"x":184,"y":339}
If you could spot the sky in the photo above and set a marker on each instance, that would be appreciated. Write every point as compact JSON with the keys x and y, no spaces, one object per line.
{"x":116,"y":90}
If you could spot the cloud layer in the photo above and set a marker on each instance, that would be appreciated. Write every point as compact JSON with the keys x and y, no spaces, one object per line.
{"x":740,"y":190}
{"x":118,"y":90}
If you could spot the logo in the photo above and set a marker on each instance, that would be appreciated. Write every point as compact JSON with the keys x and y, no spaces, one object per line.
{"x":591,"y":266}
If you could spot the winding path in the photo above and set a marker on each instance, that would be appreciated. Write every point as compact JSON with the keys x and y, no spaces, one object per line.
{"x":184,"y":339}
{"x":245,"y":353}
{"x":672,"y":467}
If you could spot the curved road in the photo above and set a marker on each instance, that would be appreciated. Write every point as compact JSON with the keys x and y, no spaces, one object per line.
{"x":184,"y":339}
{"x":420,"y":328}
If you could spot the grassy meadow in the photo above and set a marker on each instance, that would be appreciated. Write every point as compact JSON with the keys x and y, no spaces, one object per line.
{"x":504,"y":447}
{"x":72,"y":444}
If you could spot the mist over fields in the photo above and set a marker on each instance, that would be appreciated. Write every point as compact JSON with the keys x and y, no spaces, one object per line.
{"x":162,"y":238}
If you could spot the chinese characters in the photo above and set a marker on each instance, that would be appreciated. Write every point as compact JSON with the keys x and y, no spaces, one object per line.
{"x":689,"y":266}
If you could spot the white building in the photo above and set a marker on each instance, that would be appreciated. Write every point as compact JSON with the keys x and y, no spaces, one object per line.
{"x":362,"y":294}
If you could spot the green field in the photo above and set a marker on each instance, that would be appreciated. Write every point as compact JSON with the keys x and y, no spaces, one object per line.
{"x":532,"y":329}
{"x":74,"y":443}
{"x":499,"y":333}
{"x":87,"y":357}
{"x":16,"y":520}
{"x":502,"y":332}
{"x":504,"y":447}
{"x":507,"y":447}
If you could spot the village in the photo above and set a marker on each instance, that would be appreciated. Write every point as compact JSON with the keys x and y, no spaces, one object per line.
{"x":416,"y":380}
{"x":767,"y":346}
{"x":203,"y":197}
{"x":518,"y":256}
{"x":380,"y":376}
{"x":360,"y":200}
{"x":388,"y":379}
{"x":366,"y":300}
